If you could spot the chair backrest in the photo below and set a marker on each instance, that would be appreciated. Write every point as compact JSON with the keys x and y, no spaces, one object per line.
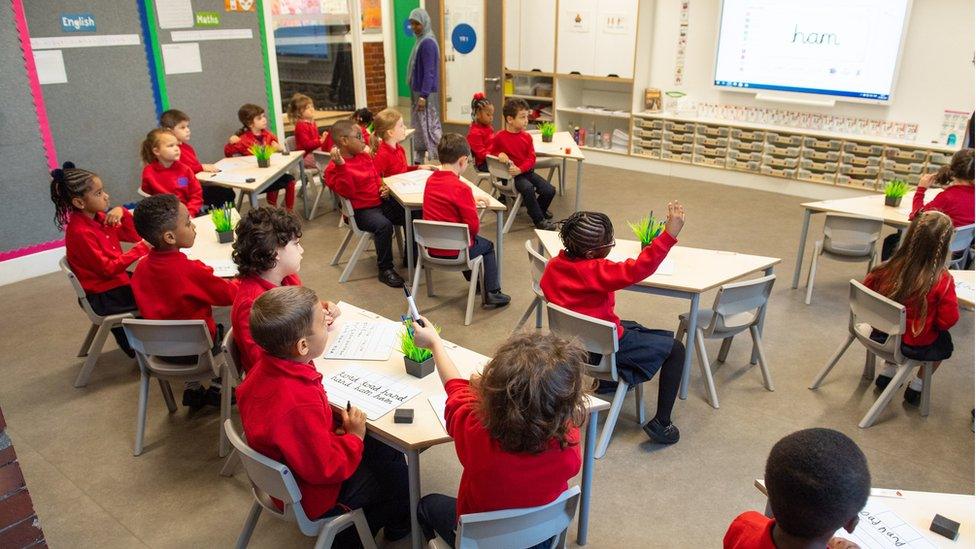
{"x":537,"y":265}
{"x":500,"y":178}
{"x":231,"y":354}
{"x":171,"y":338}
{"x":79,"y":291}
{"x":596,"y":335}
{"x":142,"y":193}
{"x":322,"y":160}
{"x":290,"y":143}
{"x":271,"y":479}
{"x":850,"y":235}
{"x":737,"y":305}
{"x":519,"y":528}
{"x":441,"y":235}
{"x":962,"y":239}
{"x":870,"y":309}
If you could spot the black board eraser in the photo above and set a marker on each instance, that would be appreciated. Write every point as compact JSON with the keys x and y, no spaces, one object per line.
{"x":945,"y":527}
{"x":249,"y":180}
{"x":405,"y":415}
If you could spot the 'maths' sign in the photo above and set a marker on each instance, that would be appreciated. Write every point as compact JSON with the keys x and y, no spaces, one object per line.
{"x":77,"y":22}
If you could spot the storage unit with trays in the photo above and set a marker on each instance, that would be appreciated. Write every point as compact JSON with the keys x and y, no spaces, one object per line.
{"x":647,"y":136}
{"x":534,"y":87}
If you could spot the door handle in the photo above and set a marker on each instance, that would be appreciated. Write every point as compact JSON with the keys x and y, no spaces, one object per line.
{"x":496,"y":80}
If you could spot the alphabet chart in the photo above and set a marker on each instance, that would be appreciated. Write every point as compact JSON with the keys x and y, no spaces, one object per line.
{"x":364,"y":341}
{"x":374,"y":393}
{"x":880,"y":528}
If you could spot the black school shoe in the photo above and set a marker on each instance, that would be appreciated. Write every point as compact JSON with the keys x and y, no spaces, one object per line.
{"x":661,"y":434}
{"x":391,"y":278}
{"x":547,"y":214}
{"x":496,"y":299}
{"x":912,"y":396}
{"x":881,"y":382}
{"x":212,"y":397}
{"x":195,"y":398}
{"x":545,"y":225}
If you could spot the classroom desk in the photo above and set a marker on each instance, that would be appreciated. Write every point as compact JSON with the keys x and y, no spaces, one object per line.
{"x":965,"y":295}
{"x":426,"y":430}
{"x":209,"y":250}
{"x":323,"y":119}
{"x":696,"y":271}
{"x":918,"y":509}
{"x":557,"y":149}
{"x":243,"y":167}
{"x":872,"y":206}
{"x":414,"y":202}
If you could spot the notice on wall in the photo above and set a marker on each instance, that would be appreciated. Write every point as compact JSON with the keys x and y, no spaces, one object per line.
{"x":211,"y":34}
{"x":174,"y":14}
{"x":50,"y":67}
{"x":89,"y":41}
{"x":181,"y":58}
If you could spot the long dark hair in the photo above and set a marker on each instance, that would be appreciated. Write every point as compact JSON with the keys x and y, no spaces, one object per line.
{"x":960,"y":168}
{"x":68,"y":182}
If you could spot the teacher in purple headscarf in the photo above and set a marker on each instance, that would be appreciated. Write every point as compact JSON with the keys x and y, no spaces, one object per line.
{"x":423,"y":73}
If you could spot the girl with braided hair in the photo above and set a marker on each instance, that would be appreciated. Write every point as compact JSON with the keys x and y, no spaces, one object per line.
{"x":582,"y":279}
{"x":481,"y":130}
{"x":916,"y":277}
{"x":92,"y":241}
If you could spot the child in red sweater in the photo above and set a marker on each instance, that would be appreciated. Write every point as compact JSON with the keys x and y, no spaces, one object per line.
{"x":581,"y":279}
{"x":286,"y":416}
{"x":165,"y":174}
{"x":514,"y":145}
{"x":447,"y":198}
{"x":817,"y":482}
{"x":254,"y":131}
{"x":178,"y":122}
{"x":388,"y":155}
{"x":481,"y":131}
{"x":92,"y":233}
{"x":515,"y":429}
{"x":916,"y":277}
{"x":268,"y":254}
{"x":352,"y":175}
{"x":301,"y":112}
{"x":169,"y":286}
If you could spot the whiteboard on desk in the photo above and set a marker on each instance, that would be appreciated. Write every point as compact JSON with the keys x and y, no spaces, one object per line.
{"x":881,"y":528}
{"x":597,"y":38}
{"x":464,"y":73}
{"x":374,"y":393}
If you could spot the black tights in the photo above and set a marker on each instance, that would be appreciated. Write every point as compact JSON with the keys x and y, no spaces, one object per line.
{"x":669,"y":380}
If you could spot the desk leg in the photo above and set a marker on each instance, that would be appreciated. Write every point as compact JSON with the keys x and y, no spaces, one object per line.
{"x":413,"y":472}
{"x":254,"y":200}
{"x":305,"y":184}
{"x":583,"y":525}
{"x":579,"y":183}
{"x":689,"y":345}
{"x":562,"y":177}
{"x":800,"y":248}
{"x":408,"y":236}
{"x":762,"y":320}
{"x":499,"y":237}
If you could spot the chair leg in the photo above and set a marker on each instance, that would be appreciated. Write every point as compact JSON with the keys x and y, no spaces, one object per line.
{"x":429,"y":279}
{"x":512,"y":213}
{"x":167,"y":391}
{"x":362,"y":528}
{"x":533,"y":307}
{"x":226,"y":392}
{"x":93,"y":353}
{"x":475,"y":278}
{"x":230,"y":464}
{"x":398,"y":238}
{"x":723,"y":351}
{"x":315,"y":204}
{"x":679,"y":334}
{"x":833,"y":361}
{"x":812,"y":273}
{"x":901,"y":376}
{"x":141,"y":414}
{"x":612,"y":415}
{"x":354,"y":258}
{"x":639,"y":401}
{"x":763,"y":366}
{"x":926,"y":388}
{"x":538,"y":313}
{"x":416,"y":277}
{"x":869,"y":363}
{"x":249,"y":523}
{"x":706,"y":368}
{"x":85,"y":345}
{"x":342,"y":249}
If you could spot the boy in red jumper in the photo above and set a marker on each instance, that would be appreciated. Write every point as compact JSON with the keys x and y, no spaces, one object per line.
{"x":447,"y":198}
{"x":268,"y":254}
{"x":165,"y":174}
{"x":179,"y":123}
{"x":169,"y":286}
{"x":817,"y":482}
{"x":581,"y":279}
{"x":352,"y":175}
{"x":510,"y":460}
{"x":254,"y":131}
{"x":481,"y":131}
{"x":286,"y":416}
{"x":514,"y":145}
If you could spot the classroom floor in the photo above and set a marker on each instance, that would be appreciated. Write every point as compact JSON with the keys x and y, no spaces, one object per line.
{"x":75,"y":445}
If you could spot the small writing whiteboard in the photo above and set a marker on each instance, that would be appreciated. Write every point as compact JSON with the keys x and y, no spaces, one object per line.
{"x":374,"y":393}
{"x":881,"y":528}
{"x":364,"y":341}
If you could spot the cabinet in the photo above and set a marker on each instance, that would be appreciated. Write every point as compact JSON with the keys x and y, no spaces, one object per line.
{"x":596,"y":38}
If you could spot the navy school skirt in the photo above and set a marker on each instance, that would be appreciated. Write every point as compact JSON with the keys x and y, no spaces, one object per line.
{"x":940,"y":349}
{"x":641,"y":352}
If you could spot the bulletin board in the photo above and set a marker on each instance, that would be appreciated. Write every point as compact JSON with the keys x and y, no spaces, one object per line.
{"x":463,"y":57}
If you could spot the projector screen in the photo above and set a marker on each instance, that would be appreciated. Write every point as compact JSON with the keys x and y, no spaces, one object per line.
{"x":844,"y":48}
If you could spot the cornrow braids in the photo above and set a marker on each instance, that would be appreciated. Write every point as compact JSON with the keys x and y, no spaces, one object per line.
{"x":582,"y":231}
{"x":68,"y":182}
{"x":478,"y":102}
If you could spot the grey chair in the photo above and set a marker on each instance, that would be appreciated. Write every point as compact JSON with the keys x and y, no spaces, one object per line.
{"x":846,"y":238}
{"x":151,"y":339}
{"x":504,"y":185}
{"x":598,"y":337}
{"x":960,"y":247}
{"x":101,"y":326}
{"x":516,"y":528}
{"x":870,"y":310}
{"x":230,"y":377}
{"x":737,"y":308}
{"x":310,"y":174}
{"x":322,"y":159}
{"x":440,"y":235}
{"x":537,"y":265}
{"x":365,"y":238}
{"x":272,"y":479}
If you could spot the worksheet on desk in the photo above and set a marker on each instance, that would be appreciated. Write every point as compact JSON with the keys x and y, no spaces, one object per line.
{"x":372,"y":392}
{"x":361,"y":340}
{"x":965,"y":291}
{"x":881,"y":528}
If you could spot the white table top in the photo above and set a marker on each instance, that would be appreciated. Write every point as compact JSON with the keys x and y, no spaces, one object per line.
{"x":918,"y":509}
{"x":872,"y":206}
{"x":695,"y":270}
{"x":965,"y":295}
{"x":426,"y":429}
{"x":560,"y":141}
{"x":208,"y":249}
{"x":247,"y":167}
{"x":416,"y":200}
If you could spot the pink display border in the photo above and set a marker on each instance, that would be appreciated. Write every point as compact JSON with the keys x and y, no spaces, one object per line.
{"x":20,"y":19}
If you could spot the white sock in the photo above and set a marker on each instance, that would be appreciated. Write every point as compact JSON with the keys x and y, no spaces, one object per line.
{"x":889,"y":370}
{"x":916,"y":384}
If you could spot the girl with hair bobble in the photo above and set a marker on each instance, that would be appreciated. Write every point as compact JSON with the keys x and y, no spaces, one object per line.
{"x":92,"y":236}
{"x":481,"y":130}
{"x":388,"y":154}
{"x":582,"y":279}
{"x":916,"y":277}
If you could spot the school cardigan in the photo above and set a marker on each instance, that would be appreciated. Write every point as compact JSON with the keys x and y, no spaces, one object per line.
{"x":251,"y":288}
{"x":518,"y":147}
{"x":493,"y":478}
{"x":169,"y":286}
{"x":447,"y":198}
{"x":356,"y":179}
{"x":391,"y":160}
{"x":176,"y":179}
{"x":942,"y":313}
{"x":94,"y":252}
{"x":479,"y":140}
{"x":956,"y":201}
{"x":286,"y":417}
{"x":248,"y":140}
{"x":750,"y":530}
{"x":188,"y":157}
{"x":307,"y":136}
{"x":329,"y":143}
{"x":587,"y":286}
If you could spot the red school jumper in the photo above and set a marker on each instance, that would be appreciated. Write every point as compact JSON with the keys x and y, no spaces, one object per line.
{"x":479,"y":139}
{"x":357,"y":180}
{"x":942,"y":312}
{"x":956,"y":201}
{"x":188,"y":157}
{"x":587,"y":286}
{"x":169,"y":286}
{"x":750,"y":530}
{"x":447,"y":198}
{"x":177,"y":179}
{"x":243,"y":148}
{"x":518,"y":147}
{"x":307,"y":139}
{"x":251,"y":288}
{"x":286,"y":417}
{"x":95,"y":254}
{"x":391,"y":160}
{"x":329,"y":143}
